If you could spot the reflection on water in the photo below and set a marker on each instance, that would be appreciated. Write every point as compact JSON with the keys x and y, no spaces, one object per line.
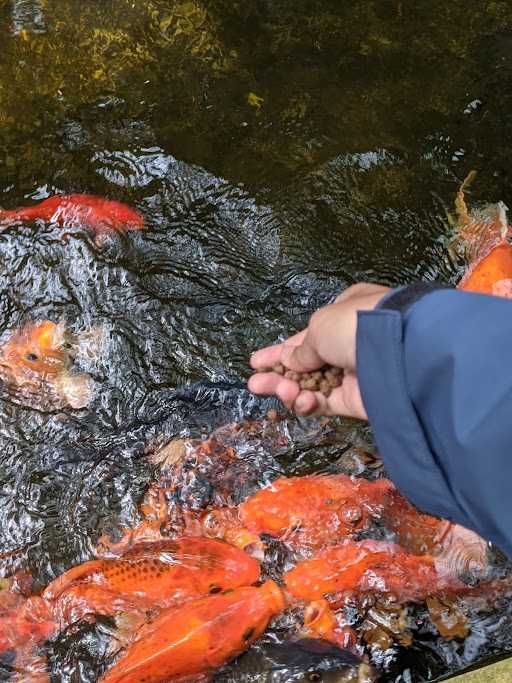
{"x":257,"y":211}
{"x":27,"y":15}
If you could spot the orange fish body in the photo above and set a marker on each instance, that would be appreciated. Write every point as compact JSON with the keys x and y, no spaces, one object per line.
{"x":26,"y":626}
{"x":25,"y":623}
{"x":483,"y":233}
{"x":81,"y":210}
{"x":359,"y":568}
{"x":315,"y":510}
{"x":198,"y":637}
{"x":154,"y":574}
{"x":491,"y":275}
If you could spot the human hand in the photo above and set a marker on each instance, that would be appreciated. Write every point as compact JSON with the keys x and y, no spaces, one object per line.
{"x":329,"y":339}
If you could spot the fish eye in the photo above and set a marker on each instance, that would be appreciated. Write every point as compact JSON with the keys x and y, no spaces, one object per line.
{"x":248,"y":634}
{"x":314,"y":676}
{"x":31,"y":356}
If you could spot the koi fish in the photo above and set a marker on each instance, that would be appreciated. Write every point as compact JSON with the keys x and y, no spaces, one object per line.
{"x":155,"y":574}
{"x":198,"y":637}
{"x":484,"y":235}
{"x":98,"y":214}
{"x":37,"y":349}
{"x":220,"y":523}
{"x":35,"y":368}
{"x":355,"y":569}
{"x":315,"y":510}
{"x":24,"y":624}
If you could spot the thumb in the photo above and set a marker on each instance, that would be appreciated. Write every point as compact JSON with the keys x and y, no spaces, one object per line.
{"x":301,"y":358}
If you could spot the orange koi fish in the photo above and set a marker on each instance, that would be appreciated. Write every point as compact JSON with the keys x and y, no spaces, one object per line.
{"x":99,"y":215}
{"x":154,"y":574}
{"x":198,"y":637}
{"x":34,"y":366}
{"x":484,"y":235}
{"x":369,"y":567}
{"x":315,"y":510}
{"x":24,"y":624}
{"x":36,"y":349}
{"x":219,"y":523}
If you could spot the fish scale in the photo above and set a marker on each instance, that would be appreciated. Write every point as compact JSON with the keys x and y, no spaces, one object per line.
{"x":158,"y":573}
{"x":315,"y":510}
{"x":198,"y":637}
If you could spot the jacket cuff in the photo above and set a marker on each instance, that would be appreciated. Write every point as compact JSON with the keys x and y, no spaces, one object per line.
{"x":402,"y":298}
{"x":399,"y":435}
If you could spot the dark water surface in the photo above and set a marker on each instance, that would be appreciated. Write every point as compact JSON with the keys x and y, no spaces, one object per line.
{"x":279,"y":150}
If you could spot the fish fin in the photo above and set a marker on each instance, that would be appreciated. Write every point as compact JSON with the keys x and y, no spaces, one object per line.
{"x":478,"y":231}
{"x":461,"y":208}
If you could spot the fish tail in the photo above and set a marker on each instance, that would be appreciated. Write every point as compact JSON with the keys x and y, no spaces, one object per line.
{"x":9,"y":216}
{"x":463,"y":553}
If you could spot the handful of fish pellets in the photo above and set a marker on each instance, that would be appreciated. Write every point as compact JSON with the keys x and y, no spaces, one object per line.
{"x":324,"y":380}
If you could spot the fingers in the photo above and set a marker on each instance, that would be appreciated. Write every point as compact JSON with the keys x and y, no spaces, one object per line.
{"x":344,"y":400}
{"x":270,"y":355}
{"x":267,"y":357}
{"x":301,"y":358}
{"x":330,"y":339}
{"x":272,"y":384}
{"x":306,"y":403}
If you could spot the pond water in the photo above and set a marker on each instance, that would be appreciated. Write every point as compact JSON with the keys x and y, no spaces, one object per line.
{"x":279,"y":151}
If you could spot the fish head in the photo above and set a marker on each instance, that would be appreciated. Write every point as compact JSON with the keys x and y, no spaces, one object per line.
{"x":312,"y":659}
{"x":37,"y":350}
{"x":271,"y":601}
{"x":247,"y":611}
{"x":34,"y":369}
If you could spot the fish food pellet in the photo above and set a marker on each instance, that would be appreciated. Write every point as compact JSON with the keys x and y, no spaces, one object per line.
{"x":273,"y":415}
{"x":324,"y":380}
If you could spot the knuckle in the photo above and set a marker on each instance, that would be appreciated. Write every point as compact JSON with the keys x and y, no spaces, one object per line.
{"x":318,"y":318}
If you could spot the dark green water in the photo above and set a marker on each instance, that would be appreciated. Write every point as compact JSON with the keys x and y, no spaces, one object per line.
{"x":279,"y":150}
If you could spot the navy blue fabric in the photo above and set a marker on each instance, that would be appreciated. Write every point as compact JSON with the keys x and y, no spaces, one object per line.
{"x":436,"y":382}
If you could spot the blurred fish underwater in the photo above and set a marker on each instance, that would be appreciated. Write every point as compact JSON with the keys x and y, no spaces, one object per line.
{"x":301,"y":660}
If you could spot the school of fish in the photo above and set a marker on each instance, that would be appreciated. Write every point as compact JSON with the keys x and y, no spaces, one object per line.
{"x":188,"y":586}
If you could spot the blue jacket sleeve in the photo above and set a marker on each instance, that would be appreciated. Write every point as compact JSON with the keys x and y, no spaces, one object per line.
{"x":436,"y":381}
